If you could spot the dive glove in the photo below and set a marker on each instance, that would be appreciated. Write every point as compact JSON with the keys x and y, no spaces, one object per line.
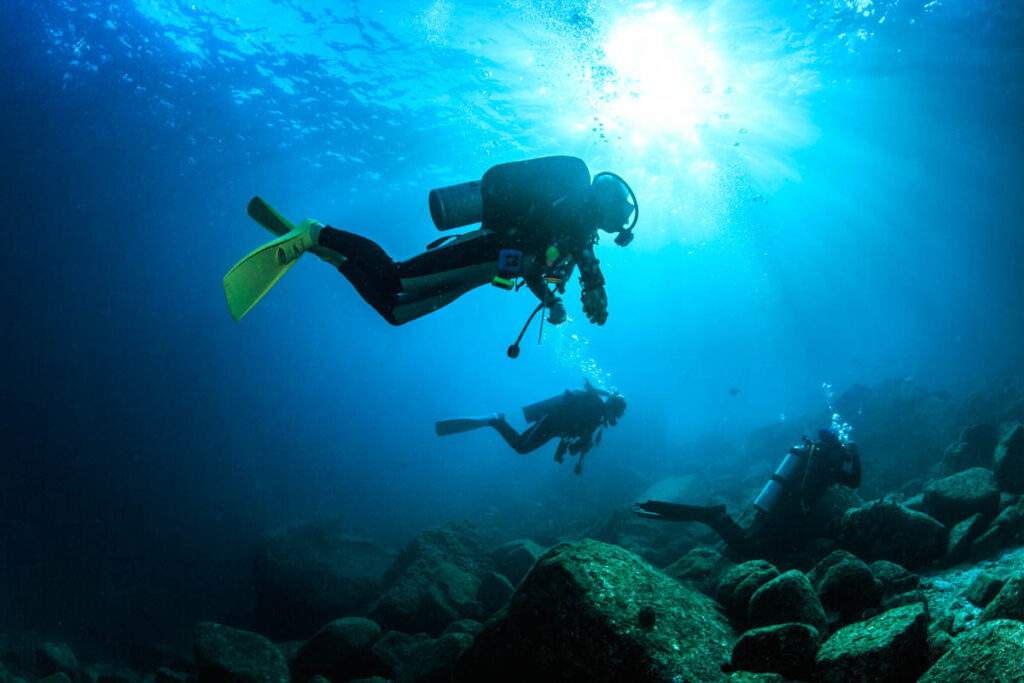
{"x":556,"y":312}
{"x":595,"y":305}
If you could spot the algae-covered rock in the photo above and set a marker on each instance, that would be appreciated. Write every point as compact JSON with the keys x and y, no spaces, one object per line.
{"x":845,"y":584}
{"x":394,"y":648}
{"x":339,"y":651}
{"x":229,"y":655}
{"x":434,"y":660}
{"x":983,"y":588}
{"x":786,"y":649}
{"x":307,"y":574}
{"x":989,"y":652}
{"x":889,"y":648}
{"x":787,"y":598}
{"x":957,"y":497}
{"x":961,"y":536}
{"x":592,"y":612}
{"x":434,"y":581}
{"x":52,"y":657}
{"x":1008,"y":602}
{"x":895,"y":578}
{"x":702,"y":568}
{"x":889,"y":531}
{"x":739,"y":583}
{"x":1008,"y":464}
{"x":974,"y":448}
{"x":515,"y":558}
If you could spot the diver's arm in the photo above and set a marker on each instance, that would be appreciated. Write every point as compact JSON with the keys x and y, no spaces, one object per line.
{"x":590,"y":268}
{"x":851,"y":478}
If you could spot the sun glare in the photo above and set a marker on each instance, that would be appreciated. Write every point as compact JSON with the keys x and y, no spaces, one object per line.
{"x":665,"y":75}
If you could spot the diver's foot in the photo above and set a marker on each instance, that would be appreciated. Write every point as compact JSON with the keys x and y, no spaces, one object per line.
{"x":335,"y":258}
{"x":578,"y":469}
{"x":559,"y":456}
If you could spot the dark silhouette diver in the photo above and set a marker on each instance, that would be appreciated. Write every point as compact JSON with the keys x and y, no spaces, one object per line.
{"x":539,"y":220}
{"x":777,"y":515}
{"x":576,"y":417}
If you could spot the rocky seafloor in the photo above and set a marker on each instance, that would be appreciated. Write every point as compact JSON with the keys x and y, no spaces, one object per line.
{"x":919,"y":576}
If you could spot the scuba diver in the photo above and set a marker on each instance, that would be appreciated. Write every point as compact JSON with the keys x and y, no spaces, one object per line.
{"x":802,"y":478}
{"x":577,"y":417}
{"x":539,"y":220}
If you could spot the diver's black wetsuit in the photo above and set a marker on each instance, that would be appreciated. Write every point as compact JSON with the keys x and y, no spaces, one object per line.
{"x":760,"y":530}
{"x":527,"y":205}
{"x":576,"y":417}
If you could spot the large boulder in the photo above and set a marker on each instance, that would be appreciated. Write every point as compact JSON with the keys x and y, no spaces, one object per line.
{"x":787,"y":598}
{"x":958,"y":496}
{"x":786,"y":649}
{"x":434,"y":581}
{"x":592,"y":612}
{"x":889,"y":648}
{"x":1008,"y":602}
{"x":228,"y":655}
{"x":340,"y":651}
{"x":739,"y":583}
{"x":515,"y":559}
{"x":989,"y":652}
{"x":961,"y":536}
{"x":1001,"y":533}
{"x":1008,"y":464}
{"x":974,"y":448}
{"x":434,"y":661}
{"x":846,"y":584}
{"x":52,"y":657}
{"x":701,"y":568}
{"x":308,"y":574}
{"x":888,"y":531}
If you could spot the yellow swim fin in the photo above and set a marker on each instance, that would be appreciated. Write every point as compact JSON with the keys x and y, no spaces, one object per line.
{"x":268,"y":217}
{"x":252,"y":277}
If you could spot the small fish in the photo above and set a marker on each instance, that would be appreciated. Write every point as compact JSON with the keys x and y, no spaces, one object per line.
{"x":734,"y":391}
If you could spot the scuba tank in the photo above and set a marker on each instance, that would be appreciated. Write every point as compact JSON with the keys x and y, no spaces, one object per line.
{"x":794,"y":462}
{"x":456,"y":205}
{"x":536,"y":411}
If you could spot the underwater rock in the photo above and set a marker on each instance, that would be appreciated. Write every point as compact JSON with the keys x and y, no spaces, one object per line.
{"x":975,"y":448}
{"x":59,"y":677}
{"x":961,"y":536}
{"x":1008,"y":463}
{"x":515,"y":559}
{"x":434,"y":581}
{"x":751,"y":677}
{"x":307,"y":574}
{"x":54,"y":658}
{"x":594,"y":613}
{"x":339,"y":651}
{"x":825,"y":518}
{"x":999,"y":534}
{"x":702,"y":568}
{"x":787,"y":598}
{"x":889,"y":531}
{"x":228,"y":655}
{"x":165,"y":675}
{"x":786,"y":649}
{"x":1008,"y":603}
{"x":895,"y":578}
{"x":889,"y":648}
{"x":739,"y":583}
{"x":494,"y":591}
{"x":983,"y":588}
{"x":989,"y":652}
{"x":961,"y":495}
{"x":394,"y":648}
{"x":433,"y":661}
{"x":470,"y":626}
{"x":939,"y":643}
{"x":846,"y":584}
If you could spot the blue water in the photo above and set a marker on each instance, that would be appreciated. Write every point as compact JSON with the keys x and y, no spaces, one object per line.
{"x":830,"y":193}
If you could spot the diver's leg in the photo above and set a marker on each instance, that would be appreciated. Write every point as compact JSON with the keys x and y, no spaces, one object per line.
{"x":368,"y":267}
{"x":713,"y":516}
{"x":533,"y":438}
{"x":439,"y":276}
